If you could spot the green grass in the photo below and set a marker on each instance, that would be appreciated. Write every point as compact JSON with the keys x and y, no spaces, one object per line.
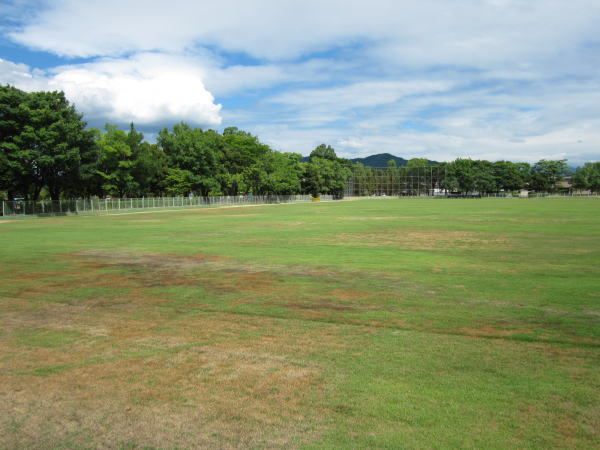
{"x":375,"y":323}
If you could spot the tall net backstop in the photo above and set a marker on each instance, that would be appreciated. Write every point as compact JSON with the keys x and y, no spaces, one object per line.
{"x":395,"y":181}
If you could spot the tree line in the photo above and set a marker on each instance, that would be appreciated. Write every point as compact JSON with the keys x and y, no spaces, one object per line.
{"x":47,"y":150}
{"x":466,"y":176}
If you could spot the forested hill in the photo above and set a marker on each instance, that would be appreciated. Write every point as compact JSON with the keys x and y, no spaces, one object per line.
{"x":381,"y":160}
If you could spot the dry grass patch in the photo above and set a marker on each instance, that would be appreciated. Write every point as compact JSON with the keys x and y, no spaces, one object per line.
{"x":210,"y":382}
{"x":122,"y":379}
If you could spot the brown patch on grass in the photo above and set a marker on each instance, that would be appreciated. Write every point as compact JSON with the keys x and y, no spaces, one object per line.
{"x":181,"y":264}
{"x":143,"y":270}
{"x":567,"y":427}
{"x":140,"y":377}
{"x":208,"y":381}
{"x":240,"y":281}
{"x":145,"y":260}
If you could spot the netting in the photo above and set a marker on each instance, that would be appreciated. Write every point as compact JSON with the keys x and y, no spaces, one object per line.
{"x":395,"y":181}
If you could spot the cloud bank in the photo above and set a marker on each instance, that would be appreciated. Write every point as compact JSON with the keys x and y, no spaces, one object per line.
{"x":146,"y":89}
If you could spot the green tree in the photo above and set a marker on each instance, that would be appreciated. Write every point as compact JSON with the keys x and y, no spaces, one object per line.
{"x":15,"y":176}
{"x":325,"y":173}
{"x":44,"y":141}
{"x":484,"y":180}
{"x":195,"y":151}
{"x":115,"y":164}
{"x":546,"y":174}
{"x":241,"y":150}
{"x":587,"y":177}
{"x":149,"y":167}
{"x":511,"y":176}
{"x":179,"y":182}
{"x":469,"y":176}
{"x":275,"y":173}
{"x":325,"y":152}
{"x":416,"y":163}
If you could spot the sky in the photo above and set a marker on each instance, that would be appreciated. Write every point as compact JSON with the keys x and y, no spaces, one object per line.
{"x":490,"y":79}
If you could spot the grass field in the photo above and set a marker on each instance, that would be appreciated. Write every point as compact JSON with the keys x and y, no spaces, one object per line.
{"x":372,"y":323}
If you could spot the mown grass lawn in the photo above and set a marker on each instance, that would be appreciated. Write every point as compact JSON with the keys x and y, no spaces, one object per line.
{"x":373,"y":323}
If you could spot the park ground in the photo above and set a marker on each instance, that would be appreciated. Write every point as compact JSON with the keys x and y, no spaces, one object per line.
{"x":412,"y":323}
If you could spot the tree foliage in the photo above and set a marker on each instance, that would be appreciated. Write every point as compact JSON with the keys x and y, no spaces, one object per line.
{"x":545,"y":174}
{"x":44,"y":143}
{"x":587,"y":177}
{"x":325,"y":173}
{"x":47,"y":150}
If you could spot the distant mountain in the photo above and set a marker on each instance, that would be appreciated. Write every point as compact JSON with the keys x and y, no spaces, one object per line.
{"x":379,"y":160}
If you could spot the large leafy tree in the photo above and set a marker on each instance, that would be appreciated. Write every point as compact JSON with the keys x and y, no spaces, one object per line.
{"x":149,"y":167}
{"x":14,"y":172}
{"x":468,"y":176}
{"x":417,"y":163}
{"x":275,"y":173}
{"x":485,"y":181}
{"x":460,"y":176}
{"x":588,"y":177}
{"x":546,"y":174}
{"x":240,"y":152}
{"x":116,"y":163}
{"x":325,"y":173}
{"x":194,"y":151}
{"x":44,"y":141}
{"x":179,"y":182}
{"x":325,"y":152}
{"x":511,"y":176}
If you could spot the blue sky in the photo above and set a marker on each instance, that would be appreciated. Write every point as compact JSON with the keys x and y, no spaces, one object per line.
{"x":494,"y":79}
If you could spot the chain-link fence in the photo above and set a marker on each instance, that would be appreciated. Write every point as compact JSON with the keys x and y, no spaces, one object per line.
{"x":123,"y":205}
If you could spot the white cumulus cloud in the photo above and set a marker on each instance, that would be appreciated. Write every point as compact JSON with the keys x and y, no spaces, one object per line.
{"x":146,"y":89}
